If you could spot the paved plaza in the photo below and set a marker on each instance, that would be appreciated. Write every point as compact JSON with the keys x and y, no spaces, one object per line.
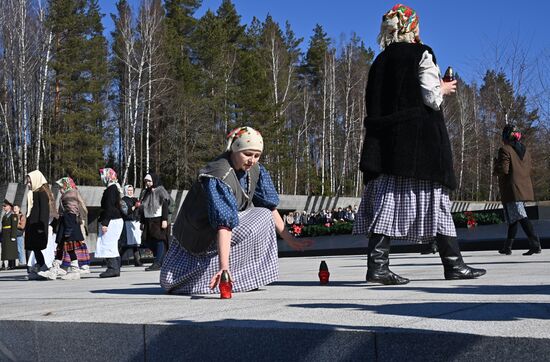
{"x":504,"y":315}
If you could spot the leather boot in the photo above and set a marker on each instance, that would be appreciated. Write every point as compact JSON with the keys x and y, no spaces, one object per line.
{"x":453,"y":264}
{"x":507,"y":247}
{"x":430,"y":248}
{"x":137,"y":258}
{"x":534,"y":246}
{"x":378,"y":264}
{"x":113,"y":268}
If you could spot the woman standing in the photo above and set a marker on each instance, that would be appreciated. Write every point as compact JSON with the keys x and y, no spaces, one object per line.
{"x":154,"y":207}
{"x":406,"y":158}
{"x":111,"y":224}
{"x":131,"y":233}
{"x":227,"y":223}
{"x":9,"y":235}
{"x":513,"y":168}
{"x":69,"y":235}
{"x":40,"y":209}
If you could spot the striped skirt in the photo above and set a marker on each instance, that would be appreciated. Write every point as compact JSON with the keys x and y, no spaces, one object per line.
{"x":253,"y":260}
{"x":405,"y":209}
{"x":80,"y":249}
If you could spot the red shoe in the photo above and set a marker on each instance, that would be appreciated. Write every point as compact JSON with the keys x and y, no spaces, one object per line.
{"x":225,"y":286}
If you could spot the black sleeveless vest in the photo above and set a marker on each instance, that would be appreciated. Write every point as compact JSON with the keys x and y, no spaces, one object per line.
{"x":192,"y":228}
{"x":403,"y":137}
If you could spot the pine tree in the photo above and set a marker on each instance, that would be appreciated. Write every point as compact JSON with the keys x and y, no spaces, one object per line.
{"x":81,"y":75}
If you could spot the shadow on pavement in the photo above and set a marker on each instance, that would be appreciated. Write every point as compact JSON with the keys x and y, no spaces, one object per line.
{"x":447,"y":310}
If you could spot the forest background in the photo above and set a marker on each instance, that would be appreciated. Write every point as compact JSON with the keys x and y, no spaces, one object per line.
{"x":162,"y":90}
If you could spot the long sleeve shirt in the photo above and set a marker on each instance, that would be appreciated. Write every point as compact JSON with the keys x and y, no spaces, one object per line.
{"x":222,"y":205}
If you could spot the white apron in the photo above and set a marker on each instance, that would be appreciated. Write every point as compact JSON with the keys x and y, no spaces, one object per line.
{"x":107,"y":244}
{"x":133,"y":232}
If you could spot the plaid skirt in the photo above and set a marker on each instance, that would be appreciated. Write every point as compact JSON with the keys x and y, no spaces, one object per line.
{"x":404,"y":209}
{"x":253,"y":260}
{"x":80,"y":249}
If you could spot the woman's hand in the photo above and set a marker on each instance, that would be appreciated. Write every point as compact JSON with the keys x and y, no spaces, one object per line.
{"x":448,"y":87}
{"x":217,"y":277}
{"x":164,"y":224}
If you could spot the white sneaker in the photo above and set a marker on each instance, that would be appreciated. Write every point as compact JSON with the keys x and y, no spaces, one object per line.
{"x":85,"y":269}
{"x":73,"y":272}
{"x":54,"y":271}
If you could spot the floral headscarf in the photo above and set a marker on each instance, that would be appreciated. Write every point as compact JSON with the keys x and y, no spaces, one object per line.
{"x":407,"y":20}
{"x":399,"y":24}
{"x":108,"y":176}
{"x":66,"y":184}
{"x":244,"y":138}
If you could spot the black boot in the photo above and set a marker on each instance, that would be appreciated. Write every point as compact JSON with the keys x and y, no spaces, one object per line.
{"x":153,"y":267}
{"x":453,"y":264}
{"x":507,"y":247}
{"x":430,"y":248}
{"x":534,"y":246}
{"x":137,"y":258}
{"x":113,"y":268}
{"x":378,"y":265}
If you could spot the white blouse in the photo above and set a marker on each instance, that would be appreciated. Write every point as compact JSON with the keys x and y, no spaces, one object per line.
{"x":430,"y":85}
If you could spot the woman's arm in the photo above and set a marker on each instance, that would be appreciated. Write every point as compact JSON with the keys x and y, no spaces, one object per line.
{"x":224,"y":249}
{"x":293,"y":242}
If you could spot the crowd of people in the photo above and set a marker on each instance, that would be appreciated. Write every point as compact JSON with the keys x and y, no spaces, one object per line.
{"x":224,"y":237}
{"x":50,"y":240}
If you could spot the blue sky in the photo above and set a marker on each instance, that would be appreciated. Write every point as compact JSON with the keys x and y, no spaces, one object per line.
{"x":467,"y":34}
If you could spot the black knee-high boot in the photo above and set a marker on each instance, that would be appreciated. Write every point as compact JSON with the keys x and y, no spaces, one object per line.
{"x":378,"y":265}
{"x":453,"y":264}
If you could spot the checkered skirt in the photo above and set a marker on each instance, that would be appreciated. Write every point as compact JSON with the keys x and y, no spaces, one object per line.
{"x":405,"y":209}
{"x":253,"y":260}
{"x":80,"y":249}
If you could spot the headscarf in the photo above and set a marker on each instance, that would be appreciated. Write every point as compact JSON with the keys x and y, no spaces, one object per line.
{"x":109,"y":177}
{"x":399,"y":24}
{"x":244,"y":138}
{"x":37,"y":180}
{"x":66,"y":184}
{"x":512,"y":136}
{"x":126,"y":187}
{"x":154,"y":196}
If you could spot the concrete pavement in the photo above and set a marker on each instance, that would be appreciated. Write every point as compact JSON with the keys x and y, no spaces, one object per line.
{"x":504,"y":315}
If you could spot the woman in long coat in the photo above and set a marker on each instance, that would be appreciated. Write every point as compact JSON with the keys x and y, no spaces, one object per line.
{"x":228,"y":223}
{"x":40,"y":209}
{"x":513,"y":168}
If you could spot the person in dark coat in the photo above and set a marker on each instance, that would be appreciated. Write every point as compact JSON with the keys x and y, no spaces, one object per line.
{"x":406,"y":158}
{"x":9,"y":235}
{"x":131,"y":233}
{"x":40,"y":207}
{"x":513,"y":168}
{"x":154,"y":211}
{"x":111,"y":223}
{"x":69,"y":235}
